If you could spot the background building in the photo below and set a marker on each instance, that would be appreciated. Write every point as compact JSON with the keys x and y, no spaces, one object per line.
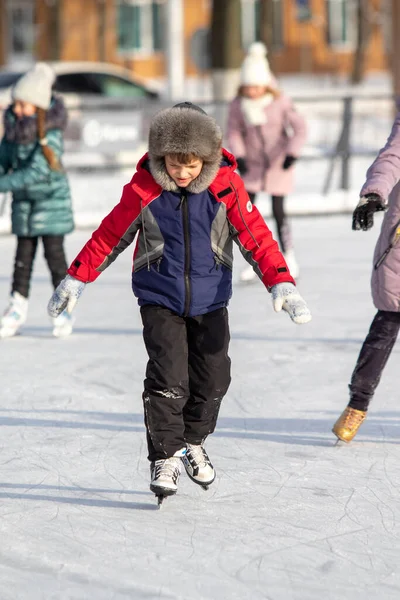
{"x":307,"y":36}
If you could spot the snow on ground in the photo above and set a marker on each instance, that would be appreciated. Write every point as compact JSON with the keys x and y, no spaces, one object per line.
{"x":291,"y":516}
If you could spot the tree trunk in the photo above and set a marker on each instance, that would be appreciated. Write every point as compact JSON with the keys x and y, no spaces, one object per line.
{"x":226,"y":48}
{"x":55,"y":9}
{"x":395,"y":54}
{"x":363,"y":34}
{"x":266,"y":36}
{"x":102,"y":21}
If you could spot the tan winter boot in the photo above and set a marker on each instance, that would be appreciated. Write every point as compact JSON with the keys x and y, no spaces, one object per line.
{"x":348,"y":423}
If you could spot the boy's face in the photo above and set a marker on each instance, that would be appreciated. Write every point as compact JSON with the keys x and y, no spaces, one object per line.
{"x":183,"y":174}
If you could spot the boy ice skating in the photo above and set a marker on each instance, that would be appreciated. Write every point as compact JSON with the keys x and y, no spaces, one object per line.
{"x":188,"y":205}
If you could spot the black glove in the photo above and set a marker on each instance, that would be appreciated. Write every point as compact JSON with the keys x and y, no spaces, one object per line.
{"x":363,"y":215}
{"x":241,"y":163}
{"x":288,"y":162}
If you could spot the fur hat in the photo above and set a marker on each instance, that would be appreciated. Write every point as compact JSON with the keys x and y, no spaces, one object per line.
{"x":35,"y":86}
{"x":185,"y":129}
{"x":255,"y":67}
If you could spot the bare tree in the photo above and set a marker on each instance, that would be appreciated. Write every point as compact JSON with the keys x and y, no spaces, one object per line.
{"x":54,"y":43}
{"x":226,"y":47}
{"x":266,"y":21}
{"x":102,"y":24}
{"x":395,"y":50}
{"x":365,"y":18}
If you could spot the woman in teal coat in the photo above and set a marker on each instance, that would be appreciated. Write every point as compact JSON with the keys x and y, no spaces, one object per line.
{"x":30,"y":168}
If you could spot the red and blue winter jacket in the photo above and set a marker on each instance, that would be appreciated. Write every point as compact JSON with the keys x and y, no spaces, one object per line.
{"x":183,"y":256}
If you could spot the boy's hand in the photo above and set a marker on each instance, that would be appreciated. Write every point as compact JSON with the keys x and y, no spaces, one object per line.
{"x":363,"y":215}
{"x":65,"y":296}
{"x":286,"y":296}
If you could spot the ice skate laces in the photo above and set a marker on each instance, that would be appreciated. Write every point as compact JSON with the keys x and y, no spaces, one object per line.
{"x":169,"y":468}
{"x":197,"y":456}
{"x":353,"y":418}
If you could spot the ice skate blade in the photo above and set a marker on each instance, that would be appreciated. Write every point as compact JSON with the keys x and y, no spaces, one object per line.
{"x":205,"y":485}
{"x":160,"y":500}
{"x":162,"y":491}
{"x":340,"y":443}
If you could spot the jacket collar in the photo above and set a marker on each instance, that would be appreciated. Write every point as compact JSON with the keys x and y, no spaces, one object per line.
{"x":150,"y":187}
{"x":24,"y":131}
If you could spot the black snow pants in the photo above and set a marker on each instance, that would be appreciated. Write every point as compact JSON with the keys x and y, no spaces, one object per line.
{"x":373,"y":357}
{"x":25,"y":256}
{"x":187,"y":375}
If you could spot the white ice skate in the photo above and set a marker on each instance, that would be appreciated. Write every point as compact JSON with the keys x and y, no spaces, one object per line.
{"x":248,"y":274}
{"x":62,"y":325}
{"x":165,"y":475}
{"x":14,"y":316}
{"x":292,"y":263}
{"x":198,"y":465}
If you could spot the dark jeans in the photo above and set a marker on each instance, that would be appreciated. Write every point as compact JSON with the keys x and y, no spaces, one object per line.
{"x":187,"y":375}
{"x":281,"y":220}
{"x":25,"y":256}
{"x":373,"y":357}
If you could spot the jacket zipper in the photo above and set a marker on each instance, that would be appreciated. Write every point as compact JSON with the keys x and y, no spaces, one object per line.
{"x":393,"y":242}
{"x":221,"y":263}
{"x":186,"y":238}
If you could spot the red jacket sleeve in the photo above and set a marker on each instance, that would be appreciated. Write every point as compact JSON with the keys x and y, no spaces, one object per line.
{"x":254,"y":238}
{"x":114,"y":234}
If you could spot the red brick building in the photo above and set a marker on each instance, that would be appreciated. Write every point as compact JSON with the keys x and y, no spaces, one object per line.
{"x":308,"y":36}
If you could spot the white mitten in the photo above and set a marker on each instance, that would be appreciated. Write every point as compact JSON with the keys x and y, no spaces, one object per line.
{"x":65,"y":296}
{"x":286,"y":296}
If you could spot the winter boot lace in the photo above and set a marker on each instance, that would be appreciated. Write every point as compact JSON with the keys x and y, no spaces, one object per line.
{"x":198,"y":465}
{"x":165,"y":476}
{"x":14,"y":316}
{"x":348,"y":423}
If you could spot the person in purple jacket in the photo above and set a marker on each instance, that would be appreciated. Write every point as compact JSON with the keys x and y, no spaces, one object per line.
{"x":266,"y":134}
{"x":381,"y":191}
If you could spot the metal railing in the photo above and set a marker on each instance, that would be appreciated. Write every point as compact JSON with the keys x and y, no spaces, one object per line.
{"x":111,"y":134}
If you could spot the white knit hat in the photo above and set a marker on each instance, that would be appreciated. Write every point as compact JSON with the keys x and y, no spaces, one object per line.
{"x":255,"y":67}
{"x":35,"y":86}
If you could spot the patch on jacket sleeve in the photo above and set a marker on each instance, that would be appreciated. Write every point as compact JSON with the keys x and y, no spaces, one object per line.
{"x":249,"y":206}
{"x":224,"y":192}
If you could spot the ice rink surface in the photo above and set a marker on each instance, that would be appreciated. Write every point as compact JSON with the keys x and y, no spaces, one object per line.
{"x":290,"y":516}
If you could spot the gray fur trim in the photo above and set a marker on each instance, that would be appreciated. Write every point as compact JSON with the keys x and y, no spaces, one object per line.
{"x":183,"y":130}
{"x":207,"y":175}
{"x":24,"y":131}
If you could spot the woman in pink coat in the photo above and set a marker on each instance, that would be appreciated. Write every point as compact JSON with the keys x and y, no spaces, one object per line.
{"x":381,"y":191}
{"x":266,"y":134}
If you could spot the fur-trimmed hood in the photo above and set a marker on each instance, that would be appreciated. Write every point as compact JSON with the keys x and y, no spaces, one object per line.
{"x":24,"y":131}
{"x":188,"y":131}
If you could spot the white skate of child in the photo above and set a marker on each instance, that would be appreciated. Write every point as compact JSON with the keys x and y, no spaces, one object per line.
{"x":14,"y":316}
{"x":63,"y":325}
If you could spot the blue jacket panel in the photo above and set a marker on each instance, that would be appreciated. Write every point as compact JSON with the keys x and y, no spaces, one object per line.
{"x":185,"y":274}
